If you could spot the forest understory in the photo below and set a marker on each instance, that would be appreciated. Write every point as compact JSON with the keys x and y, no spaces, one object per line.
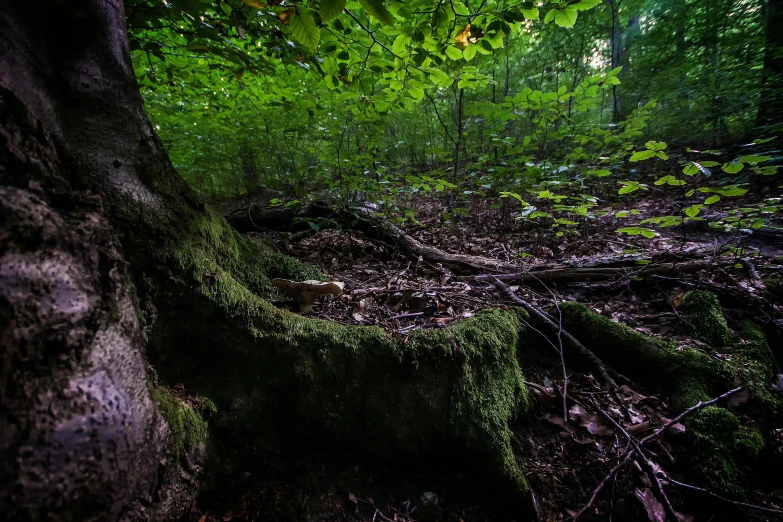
{"x":574,"y":448}
{"x":538,"y":310}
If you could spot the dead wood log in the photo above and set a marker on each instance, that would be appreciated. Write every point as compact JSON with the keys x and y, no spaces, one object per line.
{"x":373,"y":226}
{"x":366,"y":221}
{"x":593,"y":274}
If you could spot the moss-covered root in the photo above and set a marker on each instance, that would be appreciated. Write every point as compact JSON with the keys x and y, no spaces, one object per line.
{"x":704,"y":314}
{"x":720,"y":451}
{"x":188,"y":429}
{"x":692,"y":375}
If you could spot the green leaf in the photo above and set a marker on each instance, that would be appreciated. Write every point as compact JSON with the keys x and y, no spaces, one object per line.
{"x":441,"y":78}
{"x":642,"y":155}
{"x":453,"y":53}
{"x":469,"y":52}
{"x":530,"y":14}
{"x":755,"y":159}
{"x":638,"y":231}
{"x":303,"y":28}
{"x":601,"y":173}
{"x":400,"y":45}
{"x":416,"y":92}
{"x":690,"y":169}
{"x":732,"y":168}
{"x":583,"y":5}
{"x":331,"y":9}
{"x":376,"y":9}
{"x":461,"y":9}
{"x":566,"y":17}
{"x":712,"y":199}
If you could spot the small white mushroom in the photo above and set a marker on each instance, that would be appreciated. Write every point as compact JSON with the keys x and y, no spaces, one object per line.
{"x":306,"y":292}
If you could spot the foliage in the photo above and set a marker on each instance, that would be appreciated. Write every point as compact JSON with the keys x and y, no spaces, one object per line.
{"x":355,"y":101}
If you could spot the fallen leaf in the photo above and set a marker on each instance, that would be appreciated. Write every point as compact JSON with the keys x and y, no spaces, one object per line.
{"x":741,"y":397}
{"x":353,"y":498}
{"x":655,"y":510}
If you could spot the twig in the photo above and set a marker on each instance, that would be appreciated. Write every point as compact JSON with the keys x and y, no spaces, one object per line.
{"x":626,"y":459}
{"x":724,"y":499}
{"x":700,"y":405}
{"x":405,"y":316}
{"x":631,"y":450}
{"x":541,"y":317}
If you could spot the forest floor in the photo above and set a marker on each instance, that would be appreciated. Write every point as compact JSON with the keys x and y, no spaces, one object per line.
{"x":564,"y":461}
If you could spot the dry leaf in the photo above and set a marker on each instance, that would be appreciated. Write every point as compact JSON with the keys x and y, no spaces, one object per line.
{"x":353,"y":498}
{"x":655,"y":510}
{"x":741,"y":397}
{"x":285,"y":16}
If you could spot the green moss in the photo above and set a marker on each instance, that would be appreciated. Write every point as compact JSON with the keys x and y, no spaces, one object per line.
{"x":282,"y":379}
{"x":188,"y":429}
{"x":690,"y":374}
{"x":750,"y":442}
{"x":704,"y":313}
{"x":711,"y":462}
{"x":719,"y":451}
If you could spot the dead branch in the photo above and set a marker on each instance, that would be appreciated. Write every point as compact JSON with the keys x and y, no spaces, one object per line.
{"x":667,"y":478}
{"x":595,"y":274}
{"x":541,"y":317}
{"x":634,"y":448}
{"x":693,"y":409}
{"x":620,"y":465}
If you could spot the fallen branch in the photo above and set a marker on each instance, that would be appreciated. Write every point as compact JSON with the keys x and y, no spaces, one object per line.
{"x":541,"y":317}
{"x":596,"y":274}
{"x":635,"y":448}
{"x":715,"y":495}
{"x":693,"y":409}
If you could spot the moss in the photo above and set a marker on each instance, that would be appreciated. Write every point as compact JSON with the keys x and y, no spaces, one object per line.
{"x":754,"y":362}
{"x":750,"y":442}
{"x":280,"y":379}
{"x":690,"y":374}
{"x":704,"y":313}
{"x":188,"y":429}
{"x":720,"y":452}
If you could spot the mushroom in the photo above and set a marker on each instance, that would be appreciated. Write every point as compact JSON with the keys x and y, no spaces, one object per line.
{"x":306,"y":292}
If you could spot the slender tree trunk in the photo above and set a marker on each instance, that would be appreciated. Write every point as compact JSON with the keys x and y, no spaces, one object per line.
{"x":615,"y":46}
{"x":247,"y":156}
{"x":770,"y":112}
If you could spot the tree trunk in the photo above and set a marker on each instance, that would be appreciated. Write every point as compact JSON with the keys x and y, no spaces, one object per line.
{"x":768,"y":119}
{"x":249,"y":169}
{"x":81,"y":437}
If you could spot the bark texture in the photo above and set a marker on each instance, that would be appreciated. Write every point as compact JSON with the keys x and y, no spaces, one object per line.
{"x":80,"y":437}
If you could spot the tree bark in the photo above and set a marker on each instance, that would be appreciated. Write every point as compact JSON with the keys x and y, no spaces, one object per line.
{"x":768,"y":119}
{"x":81,"y":437}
